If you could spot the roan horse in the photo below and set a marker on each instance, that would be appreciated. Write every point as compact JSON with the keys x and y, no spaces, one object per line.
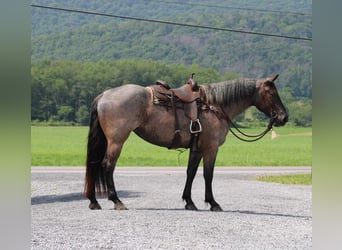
{"x":119,"y":111}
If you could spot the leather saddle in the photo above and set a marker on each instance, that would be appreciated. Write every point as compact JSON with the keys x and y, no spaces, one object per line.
{"x":187,"y":93}
{"x":187,"y":97}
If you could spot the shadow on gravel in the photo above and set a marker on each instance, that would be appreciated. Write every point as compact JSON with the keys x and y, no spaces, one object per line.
{"x":229,"y":211}
{"x":266,"y":214}
{"x":45,"y":199}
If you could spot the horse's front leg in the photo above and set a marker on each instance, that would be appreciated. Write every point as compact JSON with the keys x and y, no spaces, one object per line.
{"x":208,"y":172}
{"x":194,"y":160}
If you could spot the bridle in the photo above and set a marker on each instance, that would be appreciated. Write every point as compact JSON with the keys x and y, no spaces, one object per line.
{"x":252,"y":138}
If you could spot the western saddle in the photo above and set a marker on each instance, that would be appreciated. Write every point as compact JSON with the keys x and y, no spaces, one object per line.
{"x":187,"y":97}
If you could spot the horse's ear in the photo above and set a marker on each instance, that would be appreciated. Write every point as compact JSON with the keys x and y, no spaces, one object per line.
{"x":273,"y":78}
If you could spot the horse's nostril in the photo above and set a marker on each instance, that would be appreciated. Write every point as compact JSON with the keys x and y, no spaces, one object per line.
{"x":286,"y":119}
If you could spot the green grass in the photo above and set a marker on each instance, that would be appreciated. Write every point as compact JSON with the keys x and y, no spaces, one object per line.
{"x":58,"y":146}
{"x":291,"y":147}
{"x":299,"y":179}
{"x":66,"y":146}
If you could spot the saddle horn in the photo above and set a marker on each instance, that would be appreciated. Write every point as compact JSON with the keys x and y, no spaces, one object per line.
{"x":193,"y":83}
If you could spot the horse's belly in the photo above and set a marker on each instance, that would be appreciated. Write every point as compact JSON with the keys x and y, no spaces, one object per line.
{"x":163,"y":137}
{"x":159,"y":129}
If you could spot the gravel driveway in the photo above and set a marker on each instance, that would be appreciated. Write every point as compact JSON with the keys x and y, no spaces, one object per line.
{"x":256,"y":215}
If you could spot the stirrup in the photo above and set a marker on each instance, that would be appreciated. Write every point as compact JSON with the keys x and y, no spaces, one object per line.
{"x":199,"y":126}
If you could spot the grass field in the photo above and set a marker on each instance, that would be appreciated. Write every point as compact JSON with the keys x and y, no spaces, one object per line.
{"x":299,"y":179}
{"x":66,"y":146}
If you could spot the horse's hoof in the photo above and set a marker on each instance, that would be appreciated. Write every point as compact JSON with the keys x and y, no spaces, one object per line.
{"x":216,"y":208}
{"x":191,"y":206}
{"x":120,"y":206}
{"x":94,"y":206}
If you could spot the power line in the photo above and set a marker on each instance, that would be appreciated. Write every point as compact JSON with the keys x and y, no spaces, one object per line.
{"x":172,"y":23}
{"x":234,"y":8}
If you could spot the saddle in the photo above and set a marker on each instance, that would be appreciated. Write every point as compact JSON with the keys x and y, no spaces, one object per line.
{"x":187,"y":97}
{"x":186,"y":93}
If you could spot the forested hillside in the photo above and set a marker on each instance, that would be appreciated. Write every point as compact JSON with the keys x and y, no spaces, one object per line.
{"x":47,"y":22}
{"x":67,"y":36}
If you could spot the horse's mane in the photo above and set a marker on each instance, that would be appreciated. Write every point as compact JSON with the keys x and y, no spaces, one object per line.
{"x":230,"y":91}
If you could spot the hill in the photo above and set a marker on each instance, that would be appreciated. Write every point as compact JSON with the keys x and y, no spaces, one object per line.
{"x":68,"y":36}
{"x":58,"y":36}
{"x":48,"y":22}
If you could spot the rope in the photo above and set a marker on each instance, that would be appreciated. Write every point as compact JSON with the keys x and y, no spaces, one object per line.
{"x":180,"y":151}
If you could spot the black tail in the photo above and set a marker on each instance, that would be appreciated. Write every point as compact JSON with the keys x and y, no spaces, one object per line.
{"x":96,"y":149}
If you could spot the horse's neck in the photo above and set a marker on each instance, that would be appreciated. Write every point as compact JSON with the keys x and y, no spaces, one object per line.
{"x":239,"y":104}
{"x":233,"y":97}
{"x":236,"y":108}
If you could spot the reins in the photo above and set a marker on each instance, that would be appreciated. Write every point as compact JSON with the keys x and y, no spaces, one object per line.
{"x":255,"y":137}
{"x":222,"y":115}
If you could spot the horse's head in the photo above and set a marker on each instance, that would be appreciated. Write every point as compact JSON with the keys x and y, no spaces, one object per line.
{"x":267,"y":100}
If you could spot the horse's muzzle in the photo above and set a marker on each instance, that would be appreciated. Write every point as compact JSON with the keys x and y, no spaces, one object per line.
{"x":281,"y":119}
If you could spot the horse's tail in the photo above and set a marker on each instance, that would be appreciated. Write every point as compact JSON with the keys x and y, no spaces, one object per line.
{"x":96,"y":149}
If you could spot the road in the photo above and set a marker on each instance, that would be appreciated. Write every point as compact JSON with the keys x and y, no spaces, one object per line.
{"x":256,"y":215}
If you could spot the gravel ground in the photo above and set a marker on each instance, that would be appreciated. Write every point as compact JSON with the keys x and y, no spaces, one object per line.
{"x":256,"y":215}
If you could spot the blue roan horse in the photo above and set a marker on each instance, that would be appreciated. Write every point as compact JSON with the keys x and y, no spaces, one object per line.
{"x":119,"y":111}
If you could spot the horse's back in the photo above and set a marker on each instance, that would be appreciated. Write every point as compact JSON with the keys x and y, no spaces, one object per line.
{"x":123,"y":107}
{"x":125,"y":96}
{"x":124,"y":93}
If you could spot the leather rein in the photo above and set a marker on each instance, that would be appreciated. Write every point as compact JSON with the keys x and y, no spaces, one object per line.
{"x":252,"y":138}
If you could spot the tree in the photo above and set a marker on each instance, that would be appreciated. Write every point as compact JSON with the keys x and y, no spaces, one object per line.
{"x":300,"y":113}
{"x":64,"y":90}
{"x":65,"y":113}
{"x":82,"y":115}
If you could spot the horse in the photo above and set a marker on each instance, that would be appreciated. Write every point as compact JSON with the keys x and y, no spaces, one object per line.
{"x":117,"y":112}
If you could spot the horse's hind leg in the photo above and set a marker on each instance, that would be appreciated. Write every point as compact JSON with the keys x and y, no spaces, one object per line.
{"x":91,"y":195}
{"x":109,"y":162}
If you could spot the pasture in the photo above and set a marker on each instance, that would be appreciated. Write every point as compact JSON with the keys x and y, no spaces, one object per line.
{"x":66,"y":146}
{"x":301,"y":179}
